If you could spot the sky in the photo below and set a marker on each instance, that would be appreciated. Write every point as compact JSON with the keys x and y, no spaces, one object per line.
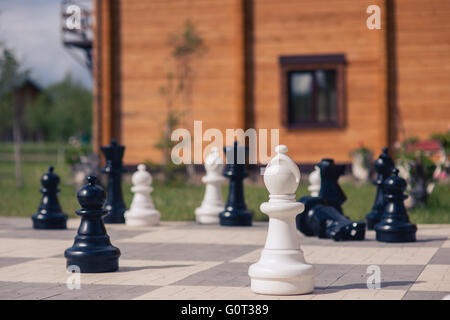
{"x":33,"y":29}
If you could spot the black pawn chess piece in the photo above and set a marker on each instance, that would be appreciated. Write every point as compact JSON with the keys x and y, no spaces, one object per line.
{"x":383,"y":166}
{"x":235,"y":213}
{"x":114,"y":169}
{"x":92,"y":251}
{"x":395,"y":225}
{"x":330,"y":191}
{"x":49,"y":214}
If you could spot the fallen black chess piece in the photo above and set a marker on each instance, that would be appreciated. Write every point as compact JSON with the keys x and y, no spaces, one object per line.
{"x":323,"y":215}
{"x":319,"y":219}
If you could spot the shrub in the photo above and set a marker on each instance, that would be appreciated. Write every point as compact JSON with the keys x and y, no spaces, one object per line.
{"x":72,"y":154}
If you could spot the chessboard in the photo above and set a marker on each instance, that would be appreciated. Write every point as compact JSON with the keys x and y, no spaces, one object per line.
{"x":185,"y":260}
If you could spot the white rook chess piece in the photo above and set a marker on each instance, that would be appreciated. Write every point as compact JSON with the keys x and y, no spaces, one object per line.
{"x":314,"y":182}
{"x":282,"y":269}
{"x":142,"y":211}
{"x":212,"y":204}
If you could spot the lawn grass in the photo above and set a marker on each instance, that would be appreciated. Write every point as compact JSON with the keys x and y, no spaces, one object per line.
{"x":179,"y":202}
{"x":176,"y":202}
{"x":25,"y":201}
{"x":50,"y":148}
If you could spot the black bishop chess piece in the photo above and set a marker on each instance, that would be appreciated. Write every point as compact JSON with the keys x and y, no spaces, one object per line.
{"x":383,"y":166}
{"x":236,"y":212}
{"x":323,"y":215}
{"x":92,"y":251}
{"x":395,"y":225}
{"x":49,"y":214}
{"x":114,"y":203}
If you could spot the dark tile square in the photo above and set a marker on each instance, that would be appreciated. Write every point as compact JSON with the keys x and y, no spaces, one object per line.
{"x":226,"y":274}
{"x":180,"y":251}
{"x":23,"y":290}
{"x":442,"y":256}
{"x":342,"y":277}
{"x":425,"y":295}
{"x":7,"y":261}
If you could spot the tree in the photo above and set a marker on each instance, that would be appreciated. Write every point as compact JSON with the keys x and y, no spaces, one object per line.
{"x":61,"y":111}
{"x":186,"y":46}
{"x":12,"y":105}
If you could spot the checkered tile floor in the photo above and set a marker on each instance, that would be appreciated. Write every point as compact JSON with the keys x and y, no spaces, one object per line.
{"x":183,"y":260}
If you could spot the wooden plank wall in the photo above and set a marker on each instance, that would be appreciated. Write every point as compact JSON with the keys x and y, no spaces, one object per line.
{"x":106,"y":71}
{"x":291,"y":27}
{"x":102,"y":75}
{"x":145,"y":61}
{"x":423,"y":68}
{"x":96,"y":72}
{"x":278,"y":27}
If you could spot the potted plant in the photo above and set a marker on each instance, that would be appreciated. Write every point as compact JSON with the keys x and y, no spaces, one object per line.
{"x":82,"y":161}
{"x":361,"y":162}
{"x":417,"y":168}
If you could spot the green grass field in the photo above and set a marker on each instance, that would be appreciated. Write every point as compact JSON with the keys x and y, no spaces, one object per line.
{"x":178,"y":202}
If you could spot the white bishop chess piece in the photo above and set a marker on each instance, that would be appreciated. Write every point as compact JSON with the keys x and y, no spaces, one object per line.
{"x":282,"y":269}
{"x":142,"y":211}
{"x":212,"y":204}
{"x":314,"y":182}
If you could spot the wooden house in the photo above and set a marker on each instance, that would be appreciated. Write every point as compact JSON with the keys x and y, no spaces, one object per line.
{"x":311,"y":68}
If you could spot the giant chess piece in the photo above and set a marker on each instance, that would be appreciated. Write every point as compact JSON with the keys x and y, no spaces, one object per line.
{"x":311,"y":201}
{"x":330,"y":190}
{"x":383,"y":166}
{"x":314,"y":182}
{"x":92,"y":251}
{"x":142,"y":210}
{"x":212,"y":204}
{"x":114,"y":202}
{"x":49,"y":214}
{"x":394,"y":225}
{"x":282,"y":269}
{"x":326,"y":222}
{"x":323,"y":217}
{"x":235,"y":213}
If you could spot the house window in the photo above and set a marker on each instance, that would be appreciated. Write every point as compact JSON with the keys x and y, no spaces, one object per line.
{"x":312,"y":90}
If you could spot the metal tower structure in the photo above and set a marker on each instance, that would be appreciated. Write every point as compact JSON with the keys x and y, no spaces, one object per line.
{"x":76,"y":30}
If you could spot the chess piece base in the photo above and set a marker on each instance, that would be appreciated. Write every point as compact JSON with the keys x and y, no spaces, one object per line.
{"x":373,"y":218}
{"x":94,"y":261}
{"x":46,"y":221}
{"x":398,"y":232}
{"x":117,"y":217}
{"x":207,"y":214}
{"x":281,"y":272}
{"x":234,"y":218}
{"x":142,"y":217}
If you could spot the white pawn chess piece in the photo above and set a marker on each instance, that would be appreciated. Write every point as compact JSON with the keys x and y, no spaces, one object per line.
{"x":212,"y":204}
{"x":314,"y":182}
{"x":282,"y":269}
{"x":142,"y":211}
